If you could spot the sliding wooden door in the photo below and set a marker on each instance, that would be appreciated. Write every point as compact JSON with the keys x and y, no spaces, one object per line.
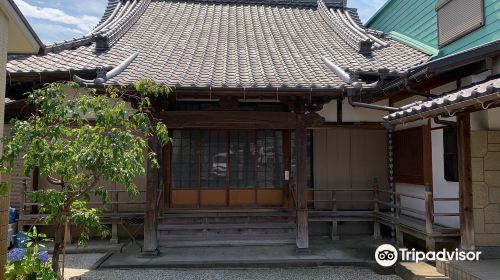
{"x":226,"y":168}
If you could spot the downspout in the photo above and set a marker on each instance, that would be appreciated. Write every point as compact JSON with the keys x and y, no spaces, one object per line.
{"x":357,"y":86}
{"x":372,"y":106}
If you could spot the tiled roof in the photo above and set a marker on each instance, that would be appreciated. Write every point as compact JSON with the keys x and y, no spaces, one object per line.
{"x":481,"y":95}
{"x":226,"y":43}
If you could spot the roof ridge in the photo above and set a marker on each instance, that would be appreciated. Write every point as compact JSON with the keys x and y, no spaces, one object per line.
{"x":119,"y":16}
{"x":339,"y":27}
{"x":294,"y":3}
{"x":122,"y":25}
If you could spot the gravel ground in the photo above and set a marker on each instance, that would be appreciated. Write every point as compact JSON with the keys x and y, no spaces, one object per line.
{"x":79,"y":265}
{"x":320,"y":273}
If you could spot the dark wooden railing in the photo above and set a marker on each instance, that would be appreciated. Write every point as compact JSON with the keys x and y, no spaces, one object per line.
{"x":386,"y":208}
{"x":112,"y":215}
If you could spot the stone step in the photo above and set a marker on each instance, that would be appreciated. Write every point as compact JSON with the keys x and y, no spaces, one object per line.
{"x":487,"y":269}
{"x":418,"y":271}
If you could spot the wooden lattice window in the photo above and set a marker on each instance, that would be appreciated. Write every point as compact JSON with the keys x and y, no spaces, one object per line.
{"x":413,"y":156}
{"x":219,"y":159}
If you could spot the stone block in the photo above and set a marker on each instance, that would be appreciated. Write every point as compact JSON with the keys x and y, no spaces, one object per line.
{"x":487,"y":239}
{"x":494,"y":195}
{"x":492,"y":161}
{"x":479,"y":195}
{"x":494,"y":137}
{"x":492,"y":178}
{"x":478,"y":220}
{"x":494,"y":147}
{"x":492,"y":228}
{"x":479,"y":143}
{"x":492,"y":214}
{"x":477,"y":169}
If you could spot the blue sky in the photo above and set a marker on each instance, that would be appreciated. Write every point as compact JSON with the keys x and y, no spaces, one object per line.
{"x":58,"y":20}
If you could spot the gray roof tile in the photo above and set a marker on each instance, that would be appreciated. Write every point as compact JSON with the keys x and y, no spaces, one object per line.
{"x":225,"y":43}
{"x":481,"y":94}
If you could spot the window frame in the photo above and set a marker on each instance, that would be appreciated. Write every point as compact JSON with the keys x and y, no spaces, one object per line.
{"x":447,"y":153}
{"x":261,"y":135}
{"x":440,"y":4}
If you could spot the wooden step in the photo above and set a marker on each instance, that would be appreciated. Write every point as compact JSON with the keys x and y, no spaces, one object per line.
{"x":226,"y":226}
{"x":216,"y":214}
{"x":229,"y":236}
{"x":227,"y":242}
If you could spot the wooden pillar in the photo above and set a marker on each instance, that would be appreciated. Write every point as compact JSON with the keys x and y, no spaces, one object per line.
{"x":302,"y":215}
{"x":399,"y":233}
{"x":465,"y":182}
{"x":151,"y":213}
{"x":430,"y":242}
{"x":335,"y":224}
{"x":376,"y":210}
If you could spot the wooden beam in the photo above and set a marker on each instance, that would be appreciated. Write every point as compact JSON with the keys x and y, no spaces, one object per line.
{"x":465,"y":182}
{"x":237,"y":119}
{"x":151,"y":213}
{"x":353,"y":125}
{"x":232,"y":119}
{"x":301,"y":153}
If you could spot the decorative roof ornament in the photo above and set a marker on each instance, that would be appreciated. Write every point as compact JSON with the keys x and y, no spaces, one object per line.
{"x":353,"y":80}
{"x":102,"y":76}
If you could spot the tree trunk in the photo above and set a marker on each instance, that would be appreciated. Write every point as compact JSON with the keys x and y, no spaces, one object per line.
{"x":58,"y":249}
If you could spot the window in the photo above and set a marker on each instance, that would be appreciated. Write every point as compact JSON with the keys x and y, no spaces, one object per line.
{"x":450,"y":154}
{"x":224,"y":158}
{"x":457,"y":18}
{"x":413,"y":156}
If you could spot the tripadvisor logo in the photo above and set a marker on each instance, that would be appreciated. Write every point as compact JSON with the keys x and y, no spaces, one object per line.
{"x":387,"y":255}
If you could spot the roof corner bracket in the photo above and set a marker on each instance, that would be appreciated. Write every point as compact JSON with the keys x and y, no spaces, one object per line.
{"x":102,"y":77}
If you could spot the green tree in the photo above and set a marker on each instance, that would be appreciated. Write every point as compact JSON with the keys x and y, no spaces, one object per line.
{"x":77,"y":139}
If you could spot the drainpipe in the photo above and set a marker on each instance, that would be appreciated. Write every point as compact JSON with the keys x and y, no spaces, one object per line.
{"x":444,"y":122}
{"x":372,"y":106}
{"x":419,"y":93}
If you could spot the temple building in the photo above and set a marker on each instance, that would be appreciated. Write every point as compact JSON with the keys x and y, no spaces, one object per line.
{"x":277,"y":119}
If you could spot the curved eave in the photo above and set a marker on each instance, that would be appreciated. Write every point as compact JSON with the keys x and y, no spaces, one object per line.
{"x":481,"y":96}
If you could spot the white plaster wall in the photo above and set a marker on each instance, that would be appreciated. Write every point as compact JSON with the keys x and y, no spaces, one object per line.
{"x":329,"y":111}
{"x":494,"y":119}
{"x":412,"y":203}
{"x":443,"y":188}
{"x":351,"y":114}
